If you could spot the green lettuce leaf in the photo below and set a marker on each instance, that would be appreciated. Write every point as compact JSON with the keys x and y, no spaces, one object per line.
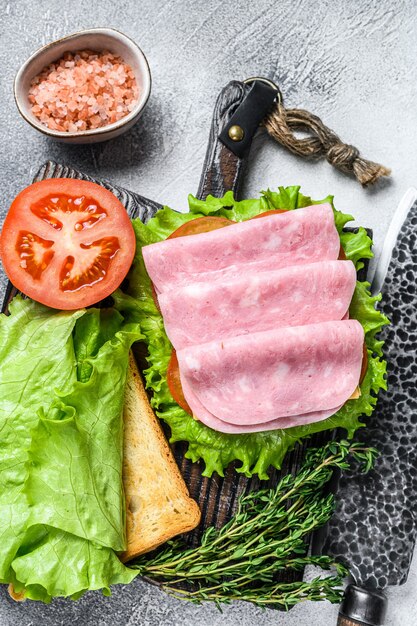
{"x":54,"y":563}
{"x":33,"y":344}
{"x":93,"y":330}
{"x":255,"y":451}
{"x":62,"y":515}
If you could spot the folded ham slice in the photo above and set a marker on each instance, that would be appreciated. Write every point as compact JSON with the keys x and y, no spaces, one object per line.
{"x":210,"y":420}
{"x":203,"y":311}
{"x":278,"y":240}
{"x":286,"y":372}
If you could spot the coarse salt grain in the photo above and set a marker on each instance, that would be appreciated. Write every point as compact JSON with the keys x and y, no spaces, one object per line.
{"x":83,"y":90}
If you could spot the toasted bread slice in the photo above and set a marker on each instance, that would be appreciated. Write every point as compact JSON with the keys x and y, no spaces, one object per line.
{"x":19,"y":597}
{"x":158,"y":505}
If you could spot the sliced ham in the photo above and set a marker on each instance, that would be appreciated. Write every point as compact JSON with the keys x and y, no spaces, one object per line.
{"x":279,"y":240}
{"x":203,"y":311}
{"x":256,"y":378}
{"x":210,"y":420}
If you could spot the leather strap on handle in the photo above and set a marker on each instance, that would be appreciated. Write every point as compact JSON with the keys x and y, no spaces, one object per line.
{"x":238,"y":133}
{"x":238,"y":111}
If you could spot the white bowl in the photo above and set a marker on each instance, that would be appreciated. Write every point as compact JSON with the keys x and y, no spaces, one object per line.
{"x":96,"y":39}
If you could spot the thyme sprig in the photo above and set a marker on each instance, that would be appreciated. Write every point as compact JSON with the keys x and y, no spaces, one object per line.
{"x":267,"y":535}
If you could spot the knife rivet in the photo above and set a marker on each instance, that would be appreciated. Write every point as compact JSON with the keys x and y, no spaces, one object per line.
{"x":236,"y":133}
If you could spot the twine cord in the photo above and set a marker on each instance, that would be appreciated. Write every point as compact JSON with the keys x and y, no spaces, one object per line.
{"x":321,"y":142}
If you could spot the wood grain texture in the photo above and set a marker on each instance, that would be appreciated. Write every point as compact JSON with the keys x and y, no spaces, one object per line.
{"x":347,"y":621}
{"x":222,"y":170}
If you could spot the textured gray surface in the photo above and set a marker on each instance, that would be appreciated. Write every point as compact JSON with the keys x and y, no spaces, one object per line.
{"x":351,"y":62}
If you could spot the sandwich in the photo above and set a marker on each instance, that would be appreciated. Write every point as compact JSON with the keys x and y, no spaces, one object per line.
{"x":216,"y":390}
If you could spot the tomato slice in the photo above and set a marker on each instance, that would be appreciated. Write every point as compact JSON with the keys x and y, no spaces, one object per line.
{"x":364,"y":363}
{"x":174,"y":383}
{"x":67,"y":243}
{"x":155,"y":298}
{"x":271,"y":212}
{"x":201,"y":225}
{"x":342,"y":255}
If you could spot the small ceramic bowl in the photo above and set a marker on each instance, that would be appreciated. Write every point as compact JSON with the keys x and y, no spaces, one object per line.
{"x":96,"y":39}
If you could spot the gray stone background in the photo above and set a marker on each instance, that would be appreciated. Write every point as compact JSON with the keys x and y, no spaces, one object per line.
{"x":352,"y":62}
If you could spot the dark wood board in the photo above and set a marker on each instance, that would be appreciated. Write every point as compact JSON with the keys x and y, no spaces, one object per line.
{"x":216,"y":496}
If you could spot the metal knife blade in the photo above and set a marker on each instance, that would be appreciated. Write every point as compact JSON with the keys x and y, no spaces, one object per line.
{"x":374,"y":527}
{"x":400,"y":216}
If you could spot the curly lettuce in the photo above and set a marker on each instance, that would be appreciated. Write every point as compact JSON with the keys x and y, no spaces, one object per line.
{"x":62,"y":507}
{"x":255,"y":451}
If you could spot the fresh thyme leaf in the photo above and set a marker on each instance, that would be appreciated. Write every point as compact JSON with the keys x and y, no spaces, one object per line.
{"x":268,"y":534}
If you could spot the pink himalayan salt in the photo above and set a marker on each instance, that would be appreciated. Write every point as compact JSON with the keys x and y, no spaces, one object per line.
{"x":83,"y":90}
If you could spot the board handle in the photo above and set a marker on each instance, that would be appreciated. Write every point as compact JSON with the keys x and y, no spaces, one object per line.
{"x":239,"y":109}
{"x":362,"y":607}
{"x":222,"y":170}
{"x":347,"y":621}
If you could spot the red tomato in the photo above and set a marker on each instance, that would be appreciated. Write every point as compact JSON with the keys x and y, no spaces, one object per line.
{"x":364,"y":363}
{"x":155,"y":298}
{"x":200,"y":225}
{"x":67,"y":243}
{"x":174,"y":383}
{"x":271,"y":212}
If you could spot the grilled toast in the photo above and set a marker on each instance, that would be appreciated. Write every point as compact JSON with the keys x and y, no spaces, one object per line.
{"x":158,"y":505}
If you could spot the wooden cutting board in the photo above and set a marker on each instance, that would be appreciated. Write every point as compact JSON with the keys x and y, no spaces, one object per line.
{"x":216,"y":496}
